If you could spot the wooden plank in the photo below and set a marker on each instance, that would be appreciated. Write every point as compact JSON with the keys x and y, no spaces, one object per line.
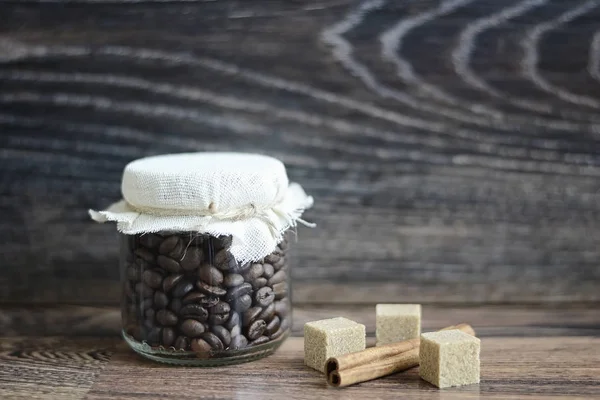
{"x":51,"y":368}
{"x":520,"y":321}
{"x":511,"y":368}
{"x":451,"y":148}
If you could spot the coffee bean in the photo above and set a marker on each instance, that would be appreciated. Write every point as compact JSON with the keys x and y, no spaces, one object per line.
{"x":149,"y":324}
{"x":192,"y":328}
{"x":264,"y":296}
{"x":152,"y":279}
{"x":259,"y":283}
{"x":137,"y":333}
{"x":218,"y":319}
{"x":146,"y":303}
{"x":234,"y":320}
{"x":200,"y":346}
{"x":161,"y":300}
{"x":170,"y":282}
{"x":132,"y":273}
{"x":256,"y":329}
{"x":255,"y":271}
{"x":250,"y":316}
{"x":144,"y":254}
{"x":222,"y":333}
{"x":168,"y":245}
{"x":213,"y":340}
{"x":283,"y":245}
{"x":236,"y":330}
{"x":210,"y":290}
{"x":220,"y":308}
{"x":238,"y":342}
{"x":182,"y":343}
{"x":210,"y":275}
{"x":281,"y":308}
{"x":281,"y":290}
{"x":268,"y":313}
{"x":233,"y":280}
{"x":200,"y":298}
{"x":144,"y":290}
{"x":277,"y":334}
{"x":169,"y":264}
{"x":280,"y":276}
{"x":242,"y":303}
{"x":166,"y":318}
{"x":268,"y":271}
{"x":239,"y":291}
{"x":221,"y":259}
{"x":182,"y":288}
{"x":154,"y":336}
{"x":272,"y":258}
{"x":224,"y":242}
{"x":149,"y":313}
{"x":191,"y":259}
{"x":273,"y":326}
{"x":175,"y":305}
{"x":194,"y":311}
{"x":150,"y":240}
{"x":168,"y":336}
{"x":259,"y":341}
{"x":279,"y":264}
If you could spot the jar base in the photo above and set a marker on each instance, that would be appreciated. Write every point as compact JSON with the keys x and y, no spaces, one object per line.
{"x":192,"y":359}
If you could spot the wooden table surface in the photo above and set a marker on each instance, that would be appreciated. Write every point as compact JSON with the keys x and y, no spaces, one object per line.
{"x":75,"y":352}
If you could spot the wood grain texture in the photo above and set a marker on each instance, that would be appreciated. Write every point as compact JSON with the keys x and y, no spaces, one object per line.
{"x":452,"y":146}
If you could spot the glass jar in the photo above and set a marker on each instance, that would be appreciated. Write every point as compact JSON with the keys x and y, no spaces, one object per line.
{"x":187,"y":301}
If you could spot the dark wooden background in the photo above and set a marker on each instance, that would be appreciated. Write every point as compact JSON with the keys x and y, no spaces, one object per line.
{"x":452,"y":147}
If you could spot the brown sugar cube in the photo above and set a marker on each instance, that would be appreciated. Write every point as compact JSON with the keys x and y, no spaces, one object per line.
{"x":449,"y":358}
{"x":331,"y":338}
{"x":396,"y":322}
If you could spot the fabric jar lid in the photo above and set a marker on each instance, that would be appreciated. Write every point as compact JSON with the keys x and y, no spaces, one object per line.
{"x":246,"y":196}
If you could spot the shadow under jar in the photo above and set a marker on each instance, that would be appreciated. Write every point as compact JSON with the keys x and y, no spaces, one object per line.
{"x":186,"y":300}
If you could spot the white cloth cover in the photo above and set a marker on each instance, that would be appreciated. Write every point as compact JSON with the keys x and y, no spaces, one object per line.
{"x":247,"y":196}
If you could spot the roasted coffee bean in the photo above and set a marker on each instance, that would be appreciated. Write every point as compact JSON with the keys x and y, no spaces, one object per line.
{"x":150,"y":240}
{"x":222,"y":257}
{"x":200,"y":298}
{"x":166,"y":318}
{"x":200,"y":346}
{"x":224,"y":242}
{"x":137,"y":333}
{"x":272,"y":258}
{"x":250,"y":316}
{"x":239,"y":291}
{"x":233,"y":280}
{"x":169,"y":264}
{"x":259,"y":283}
{"x":175,"y":305}
{"x":264,"y":296}
{"x":236,"y":330}
{"x":255,"y":271}
{"x":283,"y":245}
{"x":170,"y":282}
{"x":182,"y":288}
{"x":144,"y":290}
{"x":279,"y":264}
{"x":220,"y":308}
{"x":144,"y":254}
{"x":234,"y":320}
{"x":238,"y":342}
{"x":161,"y":300}
{"x":146,"y":303}
{"x":242,"y":303}
{"x":210,"y":290}
{"x":168,"y":245}
{"x":273,"y":326}
{"x":213,"y":340}
{"x":149,"y":313}
{"x":280,"y":276}
{"x":256,"y":329}
{"x":154,"y":336}
{"x":210,"y":275}
{"x":191,"y":259}
{"x":222,"y":333}
{"x":267,"y":313}
{"x":218,"y":319}
{"x":277,"y":334}
{"x":192,"y":328}
{"x":281,"y":290}
{"x":149,"y":324}
{"x":182,"y":343}
{"x":152,"y":279}
{"x":268,"y":271}
{"x":168,"y":336}
{"x":132,"y":273}
{"x":281,"y":308}
{"x":259,"y":341}
{"x":194,"y":311}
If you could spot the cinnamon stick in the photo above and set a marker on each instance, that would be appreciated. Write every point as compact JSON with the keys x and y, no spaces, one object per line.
{"x":376,"y":362}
